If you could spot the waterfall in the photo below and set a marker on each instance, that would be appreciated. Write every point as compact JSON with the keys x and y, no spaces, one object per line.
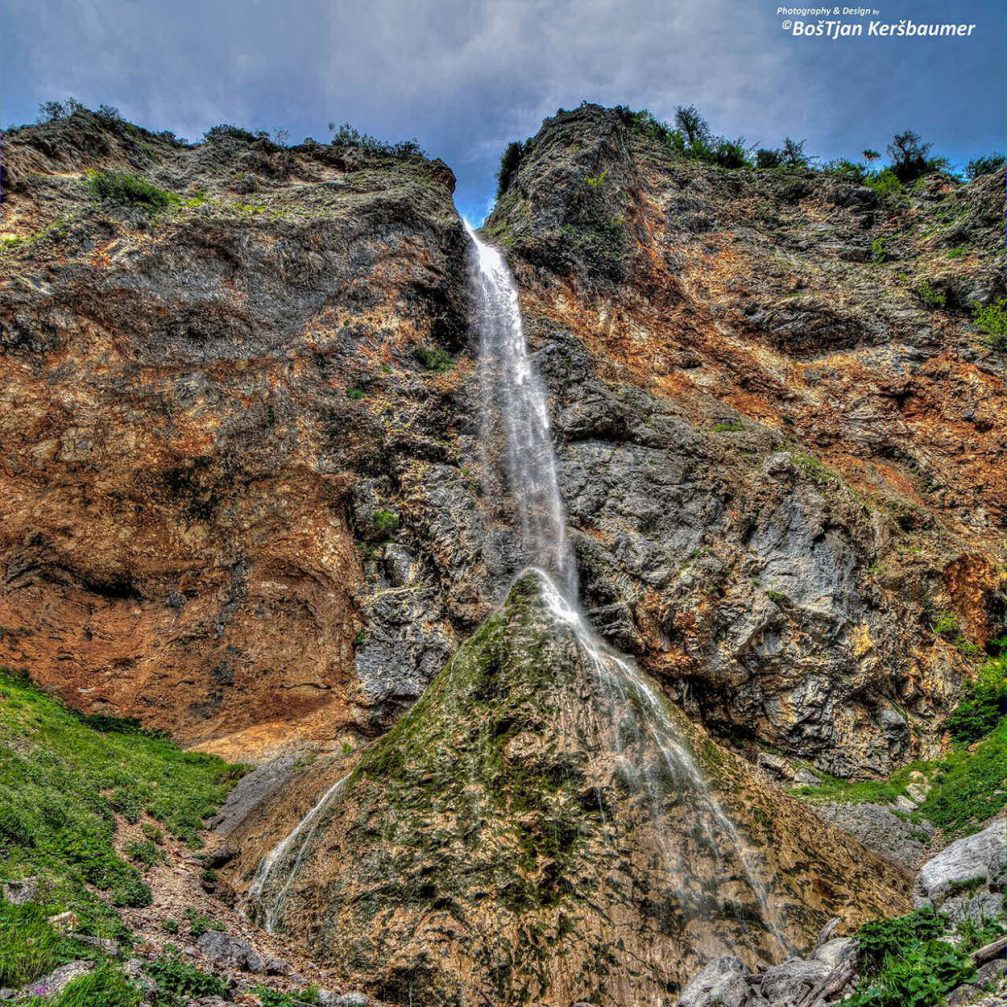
{"x":513,"y":395}
{"x":513,"y":390}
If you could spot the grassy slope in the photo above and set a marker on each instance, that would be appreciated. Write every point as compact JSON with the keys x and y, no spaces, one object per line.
{"x":63,"y":781}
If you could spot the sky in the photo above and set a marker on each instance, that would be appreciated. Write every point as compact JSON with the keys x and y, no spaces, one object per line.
{"x":465,"y":77}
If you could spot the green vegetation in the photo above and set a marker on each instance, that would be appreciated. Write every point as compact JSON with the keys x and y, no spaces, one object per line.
{"x":144,"y":852}
{"x":384,"y":523}
{"x":969,"y":785}
{"x":878,"y":251}
{"x":991,"y":319}
{"x":63,"y":780}
{"x":884,"y":182}
{"x":105,"y":986}
{"x":348,"y":137}
{"x":930,"y":295}
{"x":596,"y":181}
{"x":270,"y":998}
{"x":984,"y":165}
{"x":691,"y":136}
{"x":958,"y":253}
{"x":903,"y":964}
{"x":29,"y":946}
{"x":434,"y":358}
{"x":352,"y":392}
{"x":910,"y":159}
{"x":982,"y":705}
{"x":199,"y":923}
{"x":177,"y":981}
{"x":727,"y":427}
{"x":510,"y":162}
{"x":129,"y":190}
{"x":947,"y":626}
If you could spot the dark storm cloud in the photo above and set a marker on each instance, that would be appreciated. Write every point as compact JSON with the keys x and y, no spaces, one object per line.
{"x":466,"y":76}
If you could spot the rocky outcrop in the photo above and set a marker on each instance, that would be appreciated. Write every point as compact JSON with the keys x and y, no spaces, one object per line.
{"x":967,"y":878}
{"x":780,"y":460}
{"x":214,"y":414}
{"x":518,"y":836}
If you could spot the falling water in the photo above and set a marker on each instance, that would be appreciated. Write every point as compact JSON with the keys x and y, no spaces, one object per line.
{"x":512,"y":394}
{"x":280,"y":866}
{"x":512,"y":388}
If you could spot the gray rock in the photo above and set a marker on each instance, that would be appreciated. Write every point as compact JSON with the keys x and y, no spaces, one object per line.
{"x":806,"y":778}
{"x":880,"y":830}
{"x":22,"y":891}
{"x":792,"y":979}
{"x":231,"y":952}
{"x":833,"y":953}
{"x":722,"y":983}
{"x":103,"y":944}
{"x":775,"y":765}
{"x":352,"y":999}
{"x":967,"y":878}
{"x":57,"y":980}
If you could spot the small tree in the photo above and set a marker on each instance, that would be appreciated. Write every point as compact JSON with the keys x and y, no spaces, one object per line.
{"x":767,"y":157}
{"x":984,"y":166}
{"x":871,"y":155}
{"x":793,"y":155}
{"x":909,"y":156}
{"x":692,"y":125}
{"x":510,"y":161}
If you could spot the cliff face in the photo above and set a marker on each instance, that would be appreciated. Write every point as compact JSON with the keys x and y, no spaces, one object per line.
{"x":204,"y":410}
{"x":781,"y":437}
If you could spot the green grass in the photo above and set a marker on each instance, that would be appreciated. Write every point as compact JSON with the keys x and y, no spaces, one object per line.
{"x":834,"y":789}
{"x":129,"y":190}
{"x":63,"y":779}
{"x":930,"y":295}
{"x":970,"y":786}
{"x":106,"y":986}
{"x":271,"y":998}
{"x":727,"y":427}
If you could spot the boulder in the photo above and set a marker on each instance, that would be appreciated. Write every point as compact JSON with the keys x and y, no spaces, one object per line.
{"x":231,"y":952}
{"x":833,"y":953}
{"x":967,"y":878}
{"x":722,"y":983}
{"x":22,"y":891}
{"x":793,"y":979}
{"x":56,"y":981}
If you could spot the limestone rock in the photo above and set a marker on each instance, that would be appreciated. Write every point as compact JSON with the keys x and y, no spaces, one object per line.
{"x":229,"y":952}
{"x":967,"y":878}
{"x":721,"y":983}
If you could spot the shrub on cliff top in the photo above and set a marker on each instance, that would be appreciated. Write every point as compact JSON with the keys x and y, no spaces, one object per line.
{"x":347,"y":136}
{"x":510,"y":161}
{"x":984,"y":166}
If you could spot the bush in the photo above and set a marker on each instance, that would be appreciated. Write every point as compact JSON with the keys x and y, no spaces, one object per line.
{"x":177,"y":981}
{"x":433,"y":358}
{"x":984,"y":166}
{"x":991,"y":319}
{"x":930,"y":295}
{"x":144,"y":852}
{"x":271,"y":998}
{"x":225,"y":131}
{"x":902,"y":963}
{"x":129,"y":190}
{"x":983,"y":704}
{"x":384,"y":523}
{"x":347,"y":136}
{"x":884,"y":183}
{"x":768,"y":158}
{"x":851,"y":171}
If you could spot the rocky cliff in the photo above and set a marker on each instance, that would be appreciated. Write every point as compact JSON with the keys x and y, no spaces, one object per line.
{"x":242,"y":500}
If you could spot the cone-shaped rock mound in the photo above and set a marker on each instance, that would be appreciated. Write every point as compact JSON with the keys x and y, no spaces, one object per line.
{"x":542,"y":828}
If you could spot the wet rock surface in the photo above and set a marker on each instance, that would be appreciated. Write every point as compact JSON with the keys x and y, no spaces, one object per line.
{"x":499,"y":841}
